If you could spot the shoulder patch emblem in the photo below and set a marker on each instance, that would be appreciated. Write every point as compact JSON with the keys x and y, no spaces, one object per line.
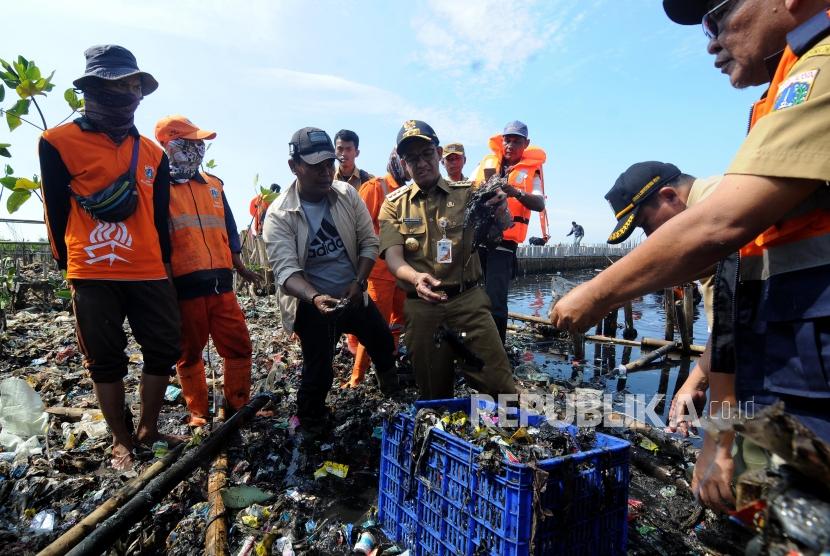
{"x":795,"y":90}
{"x":149,"y":172}
{"x":398,"y":193}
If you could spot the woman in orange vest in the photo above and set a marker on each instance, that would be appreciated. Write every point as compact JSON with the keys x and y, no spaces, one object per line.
{"x":382,"y":288}
{"x":205,"y":250}
{"x":514,"y":159}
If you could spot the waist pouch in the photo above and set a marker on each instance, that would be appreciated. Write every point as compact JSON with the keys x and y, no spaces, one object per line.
{"x":117,"y":201}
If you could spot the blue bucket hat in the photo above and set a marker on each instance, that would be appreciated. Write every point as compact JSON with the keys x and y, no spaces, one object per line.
{"x":112,"y":62}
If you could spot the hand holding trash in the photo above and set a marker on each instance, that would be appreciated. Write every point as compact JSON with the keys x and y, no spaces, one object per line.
{"x":691,"y":394}
{"x":249,"y":275}
{"x":714,"y":469}
{"x":354,"y":295}
{"x":424,"y":284}
{"x":326,"y":304}
{"x":579,"y":309}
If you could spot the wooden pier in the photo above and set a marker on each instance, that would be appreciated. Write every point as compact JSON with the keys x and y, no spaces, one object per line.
{"x":534,"y":259}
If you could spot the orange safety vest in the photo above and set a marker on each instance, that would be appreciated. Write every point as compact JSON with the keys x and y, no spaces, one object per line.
{"x":520,"y":177}
{"x":97,"y":250}
{"x":801,"y":240}
{"x":258,"y":208}
{"x":198,"y":235}
{"x":373,"y":193}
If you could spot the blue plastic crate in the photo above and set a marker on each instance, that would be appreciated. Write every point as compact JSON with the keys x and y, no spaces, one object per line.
{"x":451,"y":507}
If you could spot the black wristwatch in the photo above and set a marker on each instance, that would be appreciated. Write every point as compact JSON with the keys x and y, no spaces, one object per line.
{"x":364,"y":284}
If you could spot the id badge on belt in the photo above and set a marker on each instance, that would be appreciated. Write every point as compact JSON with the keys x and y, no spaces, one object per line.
{"x":444,"y":245}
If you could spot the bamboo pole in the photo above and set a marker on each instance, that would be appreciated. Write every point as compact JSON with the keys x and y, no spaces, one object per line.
{"x":689,"y":310}
{"x":140,"y":504}
{"x":646,"y":359}
{"x":645,"y":342}
{"x":73,"y":536}
{"x":629,"y":332}
{"x":216,"y":536}
{"x":668,"y":308}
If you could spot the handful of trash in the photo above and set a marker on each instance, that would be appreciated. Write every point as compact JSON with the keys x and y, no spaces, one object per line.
{"x":488,"y":221}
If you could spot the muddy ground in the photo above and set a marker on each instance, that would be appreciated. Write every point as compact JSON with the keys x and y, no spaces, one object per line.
{"x":317,"y":516}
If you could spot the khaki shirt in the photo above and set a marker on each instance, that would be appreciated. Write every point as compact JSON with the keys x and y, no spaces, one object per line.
{"x":792,"y":140}
{"x":354,"y":179}
{"x":411,"y":213}
{"x":702,"y":188}
{"x":285,"y":232}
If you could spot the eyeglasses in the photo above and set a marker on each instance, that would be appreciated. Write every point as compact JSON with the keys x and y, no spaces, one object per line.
{"x":712,"y":17}
{"x":414,"y":158}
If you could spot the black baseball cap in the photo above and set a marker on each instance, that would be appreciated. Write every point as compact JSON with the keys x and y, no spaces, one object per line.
{"x":686,"y":12}
{"x":634,"y":186}
{"x":312,"y":145}
{"x":415,"y":129}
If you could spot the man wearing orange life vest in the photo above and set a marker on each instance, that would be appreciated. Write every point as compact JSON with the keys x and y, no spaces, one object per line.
{"x":381,"y":285}
{"x":205,"y":249}
{"x":514,"y":159}
{"x":105,"y":192}
{"x":773,"y":206}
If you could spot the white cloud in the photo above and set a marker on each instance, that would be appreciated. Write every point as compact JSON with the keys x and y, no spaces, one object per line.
{"x":493,"y":38}
{"x":317,"y":93}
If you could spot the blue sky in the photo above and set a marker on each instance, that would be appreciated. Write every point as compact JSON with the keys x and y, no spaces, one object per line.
{"x":601,"y":84}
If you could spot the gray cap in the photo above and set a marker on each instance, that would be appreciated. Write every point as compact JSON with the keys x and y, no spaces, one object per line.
{"x":515,"y":128}
{"x":312,"y":145}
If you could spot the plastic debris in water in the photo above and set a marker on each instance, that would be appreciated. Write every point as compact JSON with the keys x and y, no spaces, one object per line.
{"x":668,"y":491}
{"x":487,"y":221}
{"x":171,"y":394}
{"x":366,"y":543}
{"x":160,"y":448}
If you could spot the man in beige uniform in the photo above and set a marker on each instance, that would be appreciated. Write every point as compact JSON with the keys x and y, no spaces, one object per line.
{"x":647,"y":195}
{"x":427,"y":248}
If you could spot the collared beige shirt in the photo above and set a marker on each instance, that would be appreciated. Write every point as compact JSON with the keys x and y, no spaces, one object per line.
{"x":410,"y":214}
{"x":702,"y":188}
{"x":354,"y":179}
{"x":285,"y":232}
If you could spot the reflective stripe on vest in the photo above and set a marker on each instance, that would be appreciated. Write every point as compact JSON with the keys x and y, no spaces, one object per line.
{"x":198,"y":235}
{"x":801,"y":240}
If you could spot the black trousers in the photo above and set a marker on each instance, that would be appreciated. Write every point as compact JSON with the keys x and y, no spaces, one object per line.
{"x":318,"y":337}
{"x":498,"y":272}
{"x":151,"y":308}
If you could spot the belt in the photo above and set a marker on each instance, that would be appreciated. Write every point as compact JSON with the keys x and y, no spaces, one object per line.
{"x":521,"y":220}
{"x":451,"y":291}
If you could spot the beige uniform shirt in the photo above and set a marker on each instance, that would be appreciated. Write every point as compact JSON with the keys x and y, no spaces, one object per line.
{"x":354,"y":179}
{"x":702,"y":188}
{"x":412,"y":217}
{"x":792,"y":140}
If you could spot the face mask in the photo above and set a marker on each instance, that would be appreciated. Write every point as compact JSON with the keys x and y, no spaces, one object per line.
{"x":111,"y":112}
{"x":185,"y":157}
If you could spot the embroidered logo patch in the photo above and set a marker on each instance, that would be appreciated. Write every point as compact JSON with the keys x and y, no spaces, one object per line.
{"x":148,"y":175}
{"x":217,"y":198}
{"x":795,"y":90}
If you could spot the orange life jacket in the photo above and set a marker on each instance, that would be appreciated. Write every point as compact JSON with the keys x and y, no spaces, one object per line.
{"x":794,"y":242}
{"x":96,"y":250}
{"x":521,"y":177}
{"x":258,"y":208}
{"x":198,"y":234}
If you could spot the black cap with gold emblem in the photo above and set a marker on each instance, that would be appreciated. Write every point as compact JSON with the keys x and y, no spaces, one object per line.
{"x":415,"y":129}
{"x":633,"y":187}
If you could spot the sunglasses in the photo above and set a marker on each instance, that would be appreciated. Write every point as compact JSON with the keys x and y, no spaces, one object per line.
{"x":712,"y":17}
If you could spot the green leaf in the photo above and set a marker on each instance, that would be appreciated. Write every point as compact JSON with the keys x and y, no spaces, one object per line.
{"x":23,"y":183}
{"x":27,"y":89}
{"x":8,"y":182}
{"x":32,"y":72}
{"x":8,"y":170}
{"x":2,"y":93}
{"x":13,"y":121}
{"x":4,"y":150}
{"x":256,"y":180}
{"x":63,"y":294}
{"x":211,"y":164}
{"x":16,"y":199}
{"x":20,"y":107}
